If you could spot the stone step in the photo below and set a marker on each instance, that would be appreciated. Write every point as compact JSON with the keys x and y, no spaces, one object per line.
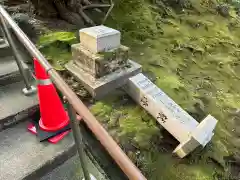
{"x":24,"y":157}
{"x":5,"y":50}
{"x":14,"y":105}
{"x":101,"y":164}
{"x":71,"y":170}
{"x":9,"y":72}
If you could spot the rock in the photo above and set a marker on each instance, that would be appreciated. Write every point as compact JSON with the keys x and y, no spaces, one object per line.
{"x":24,"y":22}
{"x":223,"y":10}
{"x":21,"y":8}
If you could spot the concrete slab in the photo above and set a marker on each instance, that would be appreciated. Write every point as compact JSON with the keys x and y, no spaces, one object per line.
{"x":5,"y":50}
{"x":14,"y":105}
{"x":71,"y":170}
{"x":98,"y":88}
{"x":24,"y":157}
{"x":9,"y":72}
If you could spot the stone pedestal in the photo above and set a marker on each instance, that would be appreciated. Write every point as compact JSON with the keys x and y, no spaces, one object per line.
{"x":100,"y":62}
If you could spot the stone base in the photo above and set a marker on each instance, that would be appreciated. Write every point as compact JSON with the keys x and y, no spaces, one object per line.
{"x":100,"y":64}
{"x":28,"y":92}
{"x":200,"y":137}
{"x":185,"y":148}
{"x":104,"y":85}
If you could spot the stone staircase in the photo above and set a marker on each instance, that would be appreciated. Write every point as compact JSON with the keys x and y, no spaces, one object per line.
{"x":22,"y":156}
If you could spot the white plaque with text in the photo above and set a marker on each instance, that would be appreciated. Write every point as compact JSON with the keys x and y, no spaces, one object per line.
{"x":170,"y":115}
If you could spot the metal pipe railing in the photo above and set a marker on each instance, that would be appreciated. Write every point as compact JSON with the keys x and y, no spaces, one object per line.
{"x":78,"y":139}
{"x":29,"y":89}
{"x":131,"y":171}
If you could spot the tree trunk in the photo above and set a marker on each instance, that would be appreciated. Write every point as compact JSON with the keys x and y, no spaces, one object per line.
{"x":68,"y":13}
{"x":69,"y":10}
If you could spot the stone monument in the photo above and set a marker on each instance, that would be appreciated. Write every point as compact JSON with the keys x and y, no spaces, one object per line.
{"x":102,"y":64}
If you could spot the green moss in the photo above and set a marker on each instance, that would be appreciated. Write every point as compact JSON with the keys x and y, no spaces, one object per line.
{"x":57,"y":56}
{"x":68,"y":37}
{"x":56,"y":47}
{"x":162,"y":166}
{"x":195,"y":58}
{"x":107,"y":55}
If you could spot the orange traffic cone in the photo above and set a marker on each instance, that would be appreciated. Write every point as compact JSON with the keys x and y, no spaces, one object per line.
{"x":53,"y":115}
{"x":54,"y":121}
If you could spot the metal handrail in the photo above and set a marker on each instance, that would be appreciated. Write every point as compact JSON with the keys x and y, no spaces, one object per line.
{"x":29,"y":89}
{"x":127,"y":166}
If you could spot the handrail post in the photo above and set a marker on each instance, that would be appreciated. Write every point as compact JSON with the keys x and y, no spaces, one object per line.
{"x":29,"y":89}
{"x":78,"y":140}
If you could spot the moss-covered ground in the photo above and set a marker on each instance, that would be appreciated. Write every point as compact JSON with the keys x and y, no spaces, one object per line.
{"x":192,"y":53}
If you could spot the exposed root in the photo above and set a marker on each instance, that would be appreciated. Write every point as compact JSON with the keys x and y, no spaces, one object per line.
{"x":108,"y":12}
{"x":95,"y":6}
{"x":67,"y":15}
{"x":86,"y":18}
{"x":73,"y":11}
{"x":86,"y":2}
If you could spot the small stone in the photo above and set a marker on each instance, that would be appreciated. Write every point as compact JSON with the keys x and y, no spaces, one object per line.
{"x":223,"y":10}
{"x":75,"y":85}
{"x":24,"y":22}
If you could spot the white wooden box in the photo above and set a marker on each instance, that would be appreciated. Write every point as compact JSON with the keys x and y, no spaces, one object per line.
{"x":100,"y":38}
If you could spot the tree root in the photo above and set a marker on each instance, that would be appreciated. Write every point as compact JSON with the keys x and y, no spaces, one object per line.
{"x":86,"y":2}
{"x":67,"y":15}
{"x":95,"y":6}
{"x":86,"y":18}
{"x":89,"y":5}
{"x":108,"y":12}
{"x":73,"y":10}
